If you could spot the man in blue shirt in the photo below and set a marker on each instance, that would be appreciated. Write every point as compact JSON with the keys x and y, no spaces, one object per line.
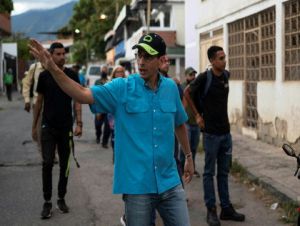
{"x":147,"y":110}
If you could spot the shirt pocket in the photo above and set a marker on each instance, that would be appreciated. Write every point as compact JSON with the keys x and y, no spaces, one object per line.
{"x":168,"y":110}
{"x":137,"y":116}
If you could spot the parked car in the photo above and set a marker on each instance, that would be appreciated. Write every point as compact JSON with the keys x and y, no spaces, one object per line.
{"x":92,"y":74}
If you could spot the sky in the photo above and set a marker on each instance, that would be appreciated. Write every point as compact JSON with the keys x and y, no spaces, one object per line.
{"x":21,"y":6}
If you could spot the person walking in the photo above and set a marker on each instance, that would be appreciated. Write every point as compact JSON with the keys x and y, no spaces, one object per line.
{"x":147,"y":110}
{"x":8,"y":82}
{"x":212,"y":118}
{"x":101,"y":119}
{"x":192,"y":126}
{"x":57,"y":122}
{"x":29,"y":84}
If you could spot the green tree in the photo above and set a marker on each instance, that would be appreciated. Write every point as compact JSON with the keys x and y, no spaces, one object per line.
{"x":6,"y":6}
{"x":86,"y":19}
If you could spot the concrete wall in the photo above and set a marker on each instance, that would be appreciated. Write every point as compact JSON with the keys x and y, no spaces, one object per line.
{"x":192,"y":17}
{"x":177,"y":22}
{"x":214,"y":9}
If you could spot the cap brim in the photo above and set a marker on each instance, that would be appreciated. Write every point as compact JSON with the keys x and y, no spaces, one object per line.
{"x":147,"y":48}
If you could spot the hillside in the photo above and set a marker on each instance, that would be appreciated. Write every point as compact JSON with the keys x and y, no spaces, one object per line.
{"x":34,"y":21}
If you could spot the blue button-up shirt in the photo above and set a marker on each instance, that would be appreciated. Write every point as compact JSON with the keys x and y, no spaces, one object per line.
{"x":145,"y":122}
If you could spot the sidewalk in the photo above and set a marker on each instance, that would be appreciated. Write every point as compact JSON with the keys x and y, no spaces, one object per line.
{"x":17,"y":99}
{"x":268,"y":165}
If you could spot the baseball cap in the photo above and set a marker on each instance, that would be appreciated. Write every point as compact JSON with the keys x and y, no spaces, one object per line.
{"x":190,"y":70}
{"x":152,"y":43}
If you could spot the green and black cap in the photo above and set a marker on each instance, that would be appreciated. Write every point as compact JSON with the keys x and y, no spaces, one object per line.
{"x":152,"y":43}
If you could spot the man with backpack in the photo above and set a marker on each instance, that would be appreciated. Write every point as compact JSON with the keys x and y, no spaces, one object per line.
{"x":208,"y":98}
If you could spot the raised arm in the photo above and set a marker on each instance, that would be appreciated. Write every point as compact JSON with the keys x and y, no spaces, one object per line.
{"x":73,"y":89}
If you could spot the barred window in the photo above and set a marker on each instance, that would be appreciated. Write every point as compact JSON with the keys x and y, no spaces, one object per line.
{"x":292,"y":40}
{"x":258,"y":28}
{"x":236,"y":50}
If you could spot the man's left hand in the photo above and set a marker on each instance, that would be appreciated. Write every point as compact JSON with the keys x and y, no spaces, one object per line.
{"x":188,"y":170}
{"x":78,"y":131}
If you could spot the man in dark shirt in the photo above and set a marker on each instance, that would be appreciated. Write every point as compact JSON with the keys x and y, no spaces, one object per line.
{"x":217,"y":138}
{"x":57,"y":129}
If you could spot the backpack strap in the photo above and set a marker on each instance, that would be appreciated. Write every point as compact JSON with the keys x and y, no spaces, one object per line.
{"x":208,"y":83}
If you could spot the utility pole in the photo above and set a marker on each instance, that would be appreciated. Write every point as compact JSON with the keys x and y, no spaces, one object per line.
{"x":148,"y":15}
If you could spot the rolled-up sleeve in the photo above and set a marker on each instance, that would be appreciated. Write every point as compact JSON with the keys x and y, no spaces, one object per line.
{"x":106,"y":97}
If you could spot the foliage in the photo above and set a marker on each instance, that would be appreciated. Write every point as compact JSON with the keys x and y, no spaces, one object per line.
{"x":6,"y":6}
{"x":86,"y":18}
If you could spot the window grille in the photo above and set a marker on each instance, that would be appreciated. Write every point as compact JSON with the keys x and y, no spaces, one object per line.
{"x":292,"y":40}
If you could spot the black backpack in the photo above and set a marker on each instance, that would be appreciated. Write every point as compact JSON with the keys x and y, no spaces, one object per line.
{"x":199,"y":96}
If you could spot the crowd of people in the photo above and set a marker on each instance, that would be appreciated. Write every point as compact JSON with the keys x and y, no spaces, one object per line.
{"x":154,"y":123}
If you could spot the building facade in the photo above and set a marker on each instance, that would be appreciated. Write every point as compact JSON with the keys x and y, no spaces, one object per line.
{"x":166,"y":19}
{"x":262,"y":41}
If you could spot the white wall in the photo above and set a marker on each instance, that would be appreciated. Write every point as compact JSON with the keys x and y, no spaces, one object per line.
{"x":177,"y":22}
{"x":214,"y":9}
{"x":235,"y":103}
{"x":192,"y":17}
{"x":280,"y":101}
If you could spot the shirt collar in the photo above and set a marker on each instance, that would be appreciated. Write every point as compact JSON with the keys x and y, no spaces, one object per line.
{"x":146,"y":83}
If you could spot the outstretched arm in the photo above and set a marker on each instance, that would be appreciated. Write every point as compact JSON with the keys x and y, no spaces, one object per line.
{"x":73,"y":89}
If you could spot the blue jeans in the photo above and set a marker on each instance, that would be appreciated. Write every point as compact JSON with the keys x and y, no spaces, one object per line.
{"x":194,"y":137}
{"x":218,"y":149}
{"x":171,"y":206}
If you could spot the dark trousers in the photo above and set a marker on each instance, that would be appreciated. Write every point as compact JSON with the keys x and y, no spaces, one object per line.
{"x":218,"y":151}
{"x":63,"y":139}
{"x":8,"y":91}
{"x":106,"y":129}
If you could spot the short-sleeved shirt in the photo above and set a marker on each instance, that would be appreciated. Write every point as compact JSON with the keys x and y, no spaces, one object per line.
{"x":57,"y":111}
{"x":215,"y":103}
{"x":145,"y":122}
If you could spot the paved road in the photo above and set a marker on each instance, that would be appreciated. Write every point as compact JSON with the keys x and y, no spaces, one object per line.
{"x":89,"y":189}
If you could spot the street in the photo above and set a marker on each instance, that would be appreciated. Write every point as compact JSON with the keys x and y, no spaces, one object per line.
{"x":90,"y":187}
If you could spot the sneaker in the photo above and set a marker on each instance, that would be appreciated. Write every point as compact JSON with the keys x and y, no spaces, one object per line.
{"x":104,"y":145}
{"x":98,"y":140}
{"x":123,"y":220}
{"x":229,"y":213}
{"x":62,"y":206}
{"x":212,"y":218}
{"x":47,"y":210}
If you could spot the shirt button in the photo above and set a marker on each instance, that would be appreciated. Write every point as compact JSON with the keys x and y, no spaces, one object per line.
{"x":154,"y":128}
{"x":155,"y":145}
{"x":155,"y":167}
{"x":154,"y":110}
